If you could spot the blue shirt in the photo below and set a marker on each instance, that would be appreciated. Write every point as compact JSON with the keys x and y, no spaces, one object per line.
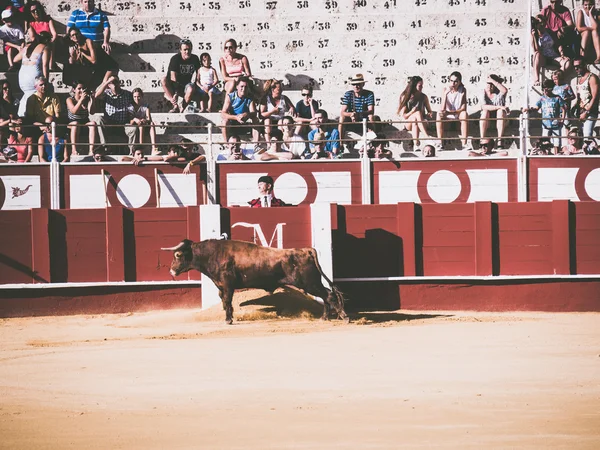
{"x":239,"y":105}
{"x":551,"y":108}
{"x":91,"y":25}
{"x":332,"y":139}
{"x":359,"y":104}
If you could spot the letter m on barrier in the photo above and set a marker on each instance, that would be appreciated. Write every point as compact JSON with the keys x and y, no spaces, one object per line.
{"x":259,"y":235}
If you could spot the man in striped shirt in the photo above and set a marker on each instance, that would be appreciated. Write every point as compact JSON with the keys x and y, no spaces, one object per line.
{"x":357,"y":104}
{"x":92,"y":23}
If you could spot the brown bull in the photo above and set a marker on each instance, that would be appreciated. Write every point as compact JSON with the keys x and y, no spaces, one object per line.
{"x":235,"y":265}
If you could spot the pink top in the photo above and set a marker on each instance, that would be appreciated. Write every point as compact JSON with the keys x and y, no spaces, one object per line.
{"x":557,"y":18}
{"x":20,"y":148}
{"x":233,"y":69}
{"x":40,"y":26}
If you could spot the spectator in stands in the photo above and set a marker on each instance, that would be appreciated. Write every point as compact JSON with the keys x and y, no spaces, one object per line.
{"x":428,"y":151}
{"x":275,"y":150}
{"x":239,"y":108}
{"x":266,"y":198}
{"x":546,"y":48}
{"x":562,"y":89}
{"x":317,"y":148}
{"x":586,"y":89}
{"x":35,"y":57}
{"x":553,"y":110}
{"x":207,"y":79}
{"x":83,"y":64}
{"x":233,"y":66}
{"x":45,"y":152}
{"x":454,"y":107}
{"x":178,"y":81}
{"x":43,"y":104}
{"x":187,"y":154}
{"x":493,"y":103}
{"x":586,"y":23}
{"x":487,"y":149}
{"x":8,"y":111}
{"x":332,"y":135}
{"x":380,"y":147}
{"x":13,"y":37}
{"x":574,"y":143}
{"x":22,"y":144}
{"x":306,"y":110}
{"x":414,"y":108}
{"x":93,"y":24}
{"x":36,"y":17}
{"x":291,"y":142}
{"x":234,"y":146}
{"x":357,"y":104}
{"x":559,"y":20}
{"x":79,"y":106}
{"x":98,"y":155}
{"x":117,"y":104}
{"x":542,"y":147}
{"x":140,"y":123}
{"x":274,"y":106}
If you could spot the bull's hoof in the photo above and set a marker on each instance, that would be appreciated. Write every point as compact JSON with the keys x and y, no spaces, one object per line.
{"x":345,"y":319}
{"x":325,"y":318}
{"x":229,"y":321}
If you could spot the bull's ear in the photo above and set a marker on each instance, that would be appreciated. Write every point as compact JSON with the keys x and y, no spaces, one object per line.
{"x":178,"y":255}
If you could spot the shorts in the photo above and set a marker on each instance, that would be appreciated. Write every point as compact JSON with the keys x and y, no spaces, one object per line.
{"x":237,"y":128}
{"x":213,"y":91}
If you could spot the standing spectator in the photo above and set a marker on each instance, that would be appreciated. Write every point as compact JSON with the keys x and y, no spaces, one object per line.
{"x":79,"y":106}
{"x":42,"y":104}
{"x":332,"y":135}
{"x":13,"y":37}
{"x":45,"y":144}
{"x":586,"y":22}
{"x":239,"y":108}
{"x":305,"y":110}
{"x":586,"y":89}
{"x":83,"y":64}
{"x":562,"y":89}
{"x":454,"y":107}
{"x":357,"y":104}
{"x":178,"y":81}
{"x":559,"y":20}
{"x":207,"y":79}
{"x":233,"y":66}
{"x":141,"y":123}
{"x":93,"y":24}
{"x":21,"y":143}
{"x":414,"y":108}
{"x":117,"y":104}
{"x":546,"y":48}
{"x":266,"y":198}
{"x":274,"y":106}
{"x":35,"y":63}
{"x":553,"y":109}
{"x":36,"y":17}
{"x":493,"y":103}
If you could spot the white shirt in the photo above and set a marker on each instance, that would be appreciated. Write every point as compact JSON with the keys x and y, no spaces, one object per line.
{"x":265,"y":200}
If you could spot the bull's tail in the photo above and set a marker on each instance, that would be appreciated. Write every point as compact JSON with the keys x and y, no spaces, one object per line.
{"x":336,"y":292}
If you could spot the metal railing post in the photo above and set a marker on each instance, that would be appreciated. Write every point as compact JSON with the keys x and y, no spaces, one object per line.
{"x":365,"y":168}
{"x":211,"y":169}
{"x":54,"y":173}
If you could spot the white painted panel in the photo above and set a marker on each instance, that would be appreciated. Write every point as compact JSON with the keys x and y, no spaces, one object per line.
{"x":488,"y":185}
{"x":87,"y":191}
{"x":177,"y":189}
{"x":397,"y":187}
{"x":22,"y":192}
{"x":242,"y":187}
{"x":334,"y":187}
{"x":557,"y":183}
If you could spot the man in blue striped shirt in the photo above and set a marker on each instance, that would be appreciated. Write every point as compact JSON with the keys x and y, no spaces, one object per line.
{"x":357,"y":104}
{"x":92,"y":23}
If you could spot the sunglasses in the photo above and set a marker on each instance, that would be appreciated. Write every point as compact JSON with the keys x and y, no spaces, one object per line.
{"x":305,"y":94}
{"x":33,"y":10}
{"x":229,"y":47}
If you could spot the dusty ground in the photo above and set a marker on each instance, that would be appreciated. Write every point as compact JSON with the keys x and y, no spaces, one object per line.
{"x":183,"y":379}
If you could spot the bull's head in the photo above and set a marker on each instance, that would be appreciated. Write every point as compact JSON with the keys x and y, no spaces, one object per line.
{"x":182,"y":257}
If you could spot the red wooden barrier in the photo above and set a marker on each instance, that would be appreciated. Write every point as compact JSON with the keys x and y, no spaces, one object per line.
{"x":24,"y":186}
{"x":564,"y":178}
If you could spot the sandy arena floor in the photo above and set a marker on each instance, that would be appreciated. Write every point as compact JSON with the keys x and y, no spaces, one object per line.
{"x":183,"y":379}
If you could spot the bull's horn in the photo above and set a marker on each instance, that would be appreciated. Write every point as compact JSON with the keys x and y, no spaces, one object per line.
{"x":224,"y":236}
{"x":174,"y":249}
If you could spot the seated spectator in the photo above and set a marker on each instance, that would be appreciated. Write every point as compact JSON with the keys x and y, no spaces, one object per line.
{"x":266,"y":198}
{"x":587,"y":101}
{"x":45,"y":151}
{"x":275,"y":150}
{"x":559,"y":21}
{"x":117,"y":104}
{"x":98,"y":155}
{"x":42,"y":104}
{"x":487,"y":149}
{"x":274,"y":106}
{"x":317,"y":148}
{"x":178,"y":81}
{"x":8,"y":110}
{"x":546,"y":48}
{"x":414,"y":108}
{"x":493,"y":103}
{"x":233,"y":66}
{"x":292,"y":142}
{"x":454,"y":107}
{"x":586,"y":23}
{"x":428,"y":151}
{"x":357,"y":104}
{"x":577,"y":145}
{"x":13,"y":37}
{"x":22,"y":144}
{"x":553,"y":110}
{"x":379,"y":148}
{"x":332,"y":135}
{"x":138,"y":157}
{"x":239,"y":109}
{"x":41,"y":22}
{"x":35,"y":58}
{"x":141,"y":123}
{"x":79,"y":106}
{"x":306,"y":110}
{"x":234,"y":147}
{"x":207,"y":80}
{"x":543,"y":146}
